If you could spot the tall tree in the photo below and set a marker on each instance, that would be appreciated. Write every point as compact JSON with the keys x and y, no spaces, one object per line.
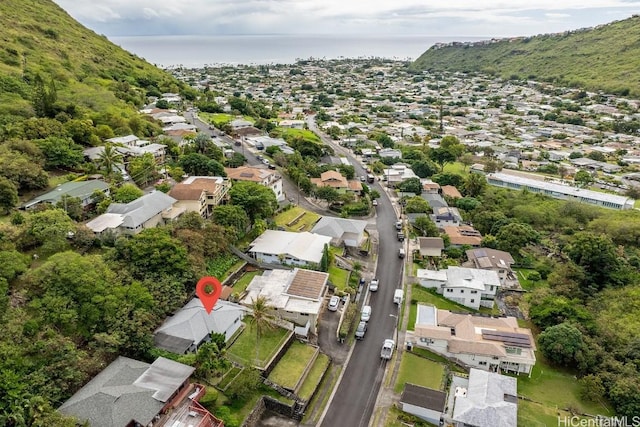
{"x":257,"y":201}
{"x":261,"y":321}
{"x":474,"y":184}
{"x":108,"y":160}
{"x":8,"y":194}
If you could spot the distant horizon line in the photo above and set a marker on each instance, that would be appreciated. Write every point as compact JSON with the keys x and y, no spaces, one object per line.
{"x":309,"y":35}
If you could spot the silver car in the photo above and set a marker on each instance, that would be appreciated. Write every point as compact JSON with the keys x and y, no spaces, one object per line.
{"x":361,"y":330}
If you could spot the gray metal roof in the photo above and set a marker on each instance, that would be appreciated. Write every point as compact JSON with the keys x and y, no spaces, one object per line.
{"x":164,"y":376}
{"x":489,"y":401}
{"x":424,"y":397}
{"x":348,"y":230}
{"x":80,"y":189}
{"x":111,"y":399}
{"x":192,"y":324}
{"x":142,"y":209}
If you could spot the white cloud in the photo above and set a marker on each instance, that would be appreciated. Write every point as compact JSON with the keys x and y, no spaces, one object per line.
{"x":486,"y":17}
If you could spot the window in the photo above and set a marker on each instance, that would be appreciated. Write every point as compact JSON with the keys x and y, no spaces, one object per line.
{"x":482,"y":363}
{"x":513,"y":350}
{"x":449,"y":290}
{"x":472,"y":301}
{"x":492,"y":287}
{"x":462,"y":291}
{"x":474,"y":292}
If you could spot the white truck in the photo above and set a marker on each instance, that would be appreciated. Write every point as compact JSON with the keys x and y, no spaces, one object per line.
{"x":397,"y":296}
{"x":387,"y":349}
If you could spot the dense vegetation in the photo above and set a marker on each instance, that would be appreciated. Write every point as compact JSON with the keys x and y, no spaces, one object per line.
{"x":603,"y":58}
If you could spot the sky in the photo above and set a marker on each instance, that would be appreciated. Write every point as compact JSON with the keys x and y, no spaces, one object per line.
{"x":450,"y":18}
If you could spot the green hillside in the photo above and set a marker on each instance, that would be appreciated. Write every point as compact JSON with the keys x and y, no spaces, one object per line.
{"x":603,"y":58}
{"x":40,"y":38}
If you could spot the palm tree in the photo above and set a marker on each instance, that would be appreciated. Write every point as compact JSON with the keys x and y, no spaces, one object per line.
{"x":108,"y":159}
{"x":262,"y":318}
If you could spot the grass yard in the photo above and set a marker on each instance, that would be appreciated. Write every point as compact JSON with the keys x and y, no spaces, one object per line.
{"x":420,"y":294}
{"x":228,"y":377}
{"x":338,"y":277}
{"x":306,"y":222}
{"x":556,"y":388}
{"x":291,"y":367}
{"x":244,"y":348}
{"x":304,"y":133}
{"x":419,"y":371}
{"x":242,"y":283}
{"x":216,"y":119}
{"x":314,"y":376}
{"x":523,"y":278}
{"x":457,"y":168}
{"x":223,"y":265}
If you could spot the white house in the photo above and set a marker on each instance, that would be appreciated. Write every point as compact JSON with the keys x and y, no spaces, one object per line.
{"x":492,"y":259}
{"x":485,"y":399}
{"x":397,"y":173}
{"x":265,"y":177}
{"x":284,"y":247}
{"x":424,"y":403}
{"x":446,"y":216}
{"x":192,"y":326}
{"x":470,"y":287}
{"x":487,"y":343}
{"x":295,"y":295}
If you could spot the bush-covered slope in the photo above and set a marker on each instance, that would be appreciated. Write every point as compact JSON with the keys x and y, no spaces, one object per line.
{"x":39,"y":38}
{"x":605,"y":58}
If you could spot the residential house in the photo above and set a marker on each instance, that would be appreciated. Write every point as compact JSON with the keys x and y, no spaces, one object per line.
{"x":435,"y":200}
{"x":284,"y":247}
{"x":446,"y":216}
{"x":130,"y":393}
{"x":470,"y":287}
{"x":82,"y":190}
{"x":347,"y":232}
{"x":390,"y":153}
{"x":451,"y":191}
{"x":292,"y":124}
{"x":131,"y":218}
{"x":395,"y":174}
{"x":431,"y":246}
{"x":200,"y":194}
{"x":192,"y":326}
{"x":430,"y":187}
{"x":484,"y":399}
{"x":463,"y":235}
{"x":265,"y":177}
{"x":295,"y":295}
{"x":475,"y":341}
{"x":132,"y":146}
{"x":240,"y":123}
{"x":560,"y":191}
{"x":423,"y":402}
{"x":492,"y":259}
{"x":335,"y":180}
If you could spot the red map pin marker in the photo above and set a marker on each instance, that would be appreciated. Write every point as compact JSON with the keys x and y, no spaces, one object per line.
{"x":208,"y":290}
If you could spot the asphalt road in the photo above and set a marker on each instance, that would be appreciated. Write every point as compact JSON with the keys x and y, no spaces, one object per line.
{"x":355,"y":397}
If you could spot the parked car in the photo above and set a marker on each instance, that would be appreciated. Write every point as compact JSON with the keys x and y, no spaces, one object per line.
{"x":334,"y":303}
{"x":398,"y":225}
{"x":374,"y":203}
{"x":361,"y":330}
{"x":400,"y":236}
{"x":363,"y":178}
{"x":401,"y":253}
{"x":365,"y":315}
{"x":373,"y":285}
{"x":387,"y":349}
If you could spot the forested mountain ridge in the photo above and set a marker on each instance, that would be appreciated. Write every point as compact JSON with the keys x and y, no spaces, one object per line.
{"x":40,"y":40}
{"x":605,"y":58}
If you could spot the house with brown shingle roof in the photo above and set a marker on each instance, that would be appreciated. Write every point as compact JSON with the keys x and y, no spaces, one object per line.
{"x":451,"y":191}
{"x":336,"y":180}
{"x":463,"y":235}
{"x":265,"y":177}
{"x":295,"y":295}
{"x":489,"y":343}
{"x":200,"y":193}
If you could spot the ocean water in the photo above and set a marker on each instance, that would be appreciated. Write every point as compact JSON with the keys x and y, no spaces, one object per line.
{"x":197,"y":51}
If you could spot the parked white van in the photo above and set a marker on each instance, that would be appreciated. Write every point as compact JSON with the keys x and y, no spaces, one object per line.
{"x":397,"y":296}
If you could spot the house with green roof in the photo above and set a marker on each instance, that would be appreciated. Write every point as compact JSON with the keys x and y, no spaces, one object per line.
{"x":83,"y":190}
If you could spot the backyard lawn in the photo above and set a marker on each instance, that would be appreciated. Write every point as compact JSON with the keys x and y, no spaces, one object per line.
{"x":243,"y":350}
{"x":306,"y":222}
{"x":314,"y":376}
{"x":291,"y":367}
{"x":555,"y":388}
{"x":419,"y":371}
{"x":338,"y":277}
{"x":242,"y":283}
{"x":420,"y":294}
{"x":523,"y":278}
